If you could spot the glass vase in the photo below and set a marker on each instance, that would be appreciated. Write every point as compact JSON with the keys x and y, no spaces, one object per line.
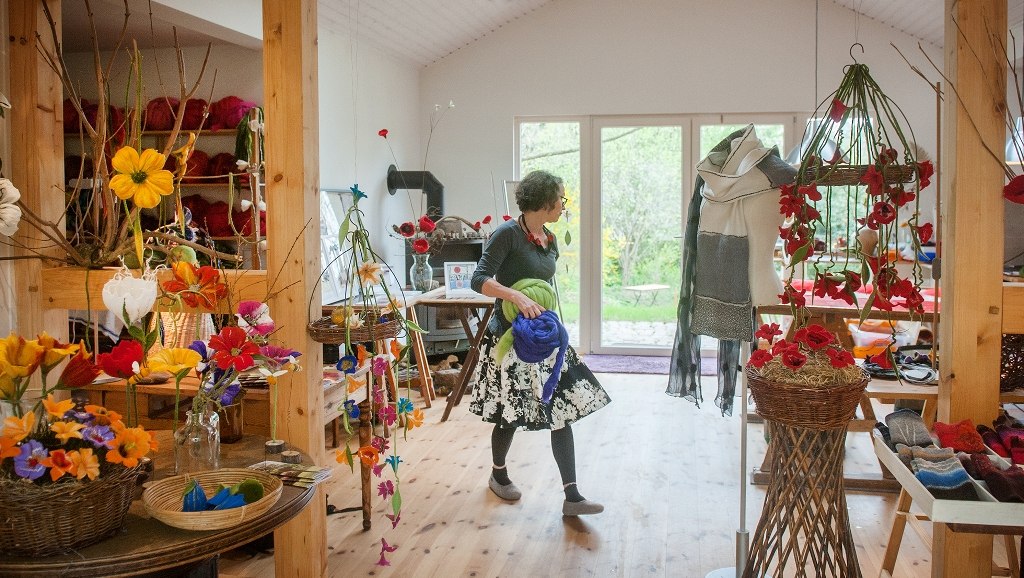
{"x":197,"y":443}
{"x":421,"y":274}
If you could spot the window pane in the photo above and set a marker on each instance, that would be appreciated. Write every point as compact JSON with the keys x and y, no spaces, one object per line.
{"x":712,"y":134}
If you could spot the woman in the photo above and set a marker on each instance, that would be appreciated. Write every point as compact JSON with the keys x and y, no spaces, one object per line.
{"x":505,"y":392}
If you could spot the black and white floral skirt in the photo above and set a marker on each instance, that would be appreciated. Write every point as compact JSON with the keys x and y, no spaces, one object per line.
{"x":509,"y":394}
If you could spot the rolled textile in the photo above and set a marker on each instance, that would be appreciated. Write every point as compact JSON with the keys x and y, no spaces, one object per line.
{"x":535,"y":339}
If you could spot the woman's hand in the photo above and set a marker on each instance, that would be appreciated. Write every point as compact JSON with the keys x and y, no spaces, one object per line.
{"x":528,"y":307}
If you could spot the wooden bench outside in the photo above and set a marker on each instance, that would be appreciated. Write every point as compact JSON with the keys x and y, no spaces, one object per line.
{"x":640,"y":290}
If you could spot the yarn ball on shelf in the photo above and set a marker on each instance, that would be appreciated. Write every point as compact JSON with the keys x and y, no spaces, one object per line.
{"x":160,"y":113}
{"x":220,"y":165}
{"x":243,"y":221}
{"x":193,"y":116}
{"x":228,"y":112}
{"x":216,"y":220}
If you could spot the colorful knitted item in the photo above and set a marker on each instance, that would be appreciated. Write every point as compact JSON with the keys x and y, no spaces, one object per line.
{"x":993,"y":441}
{"x":906,"y":427}
{"x":946,"y":480}
{"x":1016,"y":450}
{"x":1009,"y":433}
{"x":961,"y":436}
{"x":1006,"y":485}
{"x":536,"y":339}
{"x":907,"y":454}
{"x":541,"y":292}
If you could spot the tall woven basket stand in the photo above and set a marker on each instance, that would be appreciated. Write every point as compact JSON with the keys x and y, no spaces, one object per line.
{"x":804,"y":527}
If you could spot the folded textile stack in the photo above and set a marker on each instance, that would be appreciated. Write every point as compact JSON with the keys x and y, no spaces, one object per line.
{"x":961,"y":437}
{"x":937,"y":468}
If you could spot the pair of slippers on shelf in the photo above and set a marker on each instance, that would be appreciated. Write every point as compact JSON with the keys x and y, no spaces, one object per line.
{"x":910,"y":363}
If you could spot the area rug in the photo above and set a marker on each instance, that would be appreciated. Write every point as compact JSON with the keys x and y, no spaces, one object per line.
{"x":639,"y":364}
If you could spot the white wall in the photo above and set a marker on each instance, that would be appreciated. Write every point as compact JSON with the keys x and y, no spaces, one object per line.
{"x":650,"y":57}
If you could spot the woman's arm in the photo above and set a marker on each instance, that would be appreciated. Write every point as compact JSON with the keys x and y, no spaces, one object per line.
{"x":528,"y":307}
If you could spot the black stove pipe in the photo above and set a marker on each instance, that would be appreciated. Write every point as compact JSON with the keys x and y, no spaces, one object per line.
{"x":423,"y":180}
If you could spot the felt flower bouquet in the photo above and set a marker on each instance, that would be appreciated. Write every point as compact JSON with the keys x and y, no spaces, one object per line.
{"x":814,"y":356}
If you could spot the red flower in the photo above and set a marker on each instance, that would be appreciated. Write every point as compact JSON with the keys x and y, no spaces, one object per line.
{"x":119,"y":362}
{"x":924,"y":232}
{"x":791,"y":295}
{"x":476,"y":226}
{"x":810,"y":191}
{"x":426,"y":225}
{"x":874,"y":180}
{"x":825,"y":285}
{"x":760,"y":357}
{"x":887,"y":156}
{"x":1014,"y":190}
{"x":487,"y":219}
{"x":925,"y":171}
{"x":506,"y":217}
{"x":781,"y":346}
{"x":881,"y":360}
{"x":837,"y":111}
{"x":839,"y":358}
{"x":768,"y":331}
{"x":883,"y":212}
{"x":231,"y":348}
{"x":420,"y":246}
{"x":899,"y":196}
{"x":789,"y":202}
{"x":793,"y":359}
{"x":79,"y":371}
{"x":383,"y":132}
{"x":407,"y":229}
{"x":814,"y":336}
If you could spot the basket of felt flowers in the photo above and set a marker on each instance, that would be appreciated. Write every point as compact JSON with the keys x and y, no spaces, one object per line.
{"x":212,"y":500}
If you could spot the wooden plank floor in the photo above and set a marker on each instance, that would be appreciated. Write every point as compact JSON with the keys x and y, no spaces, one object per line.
{"x":667,"y":472}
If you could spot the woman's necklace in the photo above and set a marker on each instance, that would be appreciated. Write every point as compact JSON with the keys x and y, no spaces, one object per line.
{"x":541,"y":241}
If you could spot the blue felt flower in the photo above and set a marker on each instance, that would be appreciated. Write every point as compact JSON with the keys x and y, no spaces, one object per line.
{"x":356,"y":193}
{"x":404,"y":405}
{"x":29,"y":464}
{"x":352,"y":409}
{"x":347,"y":364}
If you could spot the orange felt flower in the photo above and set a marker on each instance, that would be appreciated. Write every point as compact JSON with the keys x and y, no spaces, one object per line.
{"x":18,"y":428}
{"x":415,"y":419}
{"x":129,"y":445}
{"x":369,"y":455}
{"x":57,"y":408}
{"x":353,"y":384}
{"x":66,"y":430}
{"x":197,"y":286}
{"x":396,"y":348}
{"x":86,"y":463}
{"x":361,"y":355}
{"x":60,"y":464}
{"x":8,"y":447}
{"x":102,"y":415}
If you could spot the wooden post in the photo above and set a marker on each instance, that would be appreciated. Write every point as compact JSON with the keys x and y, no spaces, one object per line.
{"x":971,"y":284}
{"x":293,"y":254}
{"x":36,"y":163}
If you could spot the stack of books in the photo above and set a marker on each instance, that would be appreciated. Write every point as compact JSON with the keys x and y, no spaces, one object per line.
{"x":299,"y":475}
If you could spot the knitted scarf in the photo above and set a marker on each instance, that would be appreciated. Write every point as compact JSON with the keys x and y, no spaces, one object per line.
{"x":534,"y":340}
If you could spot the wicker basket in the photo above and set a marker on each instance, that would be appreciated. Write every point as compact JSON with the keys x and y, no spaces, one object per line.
{"x":840,"y":175}
{"x":163,"y":499}
{"x":818,"y":408}
{"x":324,"y":330}
{"x":1011,"y":367}
{"x":57,"y":518}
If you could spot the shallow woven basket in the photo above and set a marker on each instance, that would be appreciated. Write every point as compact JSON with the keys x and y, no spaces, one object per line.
{"x":819,"y":408}
{"x":839,"y":175}
{"x":163,"y":499}
{"x":56,"y":518}
{"x":324,"y":330}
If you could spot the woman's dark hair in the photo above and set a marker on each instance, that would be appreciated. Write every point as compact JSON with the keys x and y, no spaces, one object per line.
{"x":538,"y":190}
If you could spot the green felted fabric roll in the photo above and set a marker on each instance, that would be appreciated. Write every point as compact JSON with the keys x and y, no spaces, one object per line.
{"x":538,"y":290}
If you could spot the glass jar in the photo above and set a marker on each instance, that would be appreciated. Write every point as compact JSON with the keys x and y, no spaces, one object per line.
{"x":197,"y":443}
{"x":421,"y":274}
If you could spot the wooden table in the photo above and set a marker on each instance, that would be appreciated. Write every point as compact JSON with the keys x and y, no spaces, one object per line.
{"x":480,"y":306}
{"x":148,"y":547}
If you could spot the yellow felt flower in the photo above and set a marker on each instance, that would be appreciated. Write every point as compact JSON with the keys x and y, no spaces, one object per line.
{"x":57,"y":408}
{"x":66,"y":430}
{"x":414,"y":420}
{"x":183,"y":154}
{"x":174,"y":359}
{"x":54,"y":351}
{"x":86,"y":463}
{"x":369,"y":273}
{"x":19,"y":358}
{"x":18,"y":428}
{"x":141,"y":178}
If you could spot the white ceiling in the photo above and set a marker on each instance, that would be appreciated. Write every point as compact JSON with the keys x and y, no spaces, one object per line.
{"x":425,"y":31}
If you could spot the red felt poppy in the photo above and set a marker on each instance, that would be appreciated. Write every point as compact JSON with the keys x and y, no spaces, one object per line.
{"x":839,"y":358}
{"x":506,"y":217}
{"x":881,"y":360}
{"x":886,"y":156}
{"x":814,"y":336}
{"x":874,"y":180}
{"x":914,"y":302}
{"x":426,"y":225}
{"x":383,"y":132}
{"x":476,"y":226}
{"x":231,"y":348}
{"x":407,"y":229}
{"x":782,"y":345}
{"x":925,"y":171}
{"x":837,"y":110}
{"x":420,"y":246}
{"x":793,"y":359}
{"x":899,"y":196}
{"x":924,"y":232}
{"x":1014,"y":190}
{"x":883,"y":212}
{"x":487,"y":220}
{"x":768,"y":331}
{"x":810,"y":191}
{"x":119,"y":362}
{"x":760,"y":357}
{"x":791,"y":295}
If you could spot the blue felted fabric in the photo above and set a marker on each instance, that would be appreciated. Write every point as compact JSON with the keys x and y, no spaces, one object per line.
{"x":535,"y":339}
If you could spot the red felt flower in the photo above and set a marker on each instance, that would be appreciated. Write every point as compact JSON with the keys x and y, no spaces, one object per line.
{"x":79,"y":371}
{"x":768,"y":331}
{"x":886,"y":156}
{"x":814,"y":336}
{"x":839,"y":358}
{"x":487,"y":219}
{"x":1014,"y":190}
{"x":825,"y":285}
{"x":874,"y":180}
{"x":914,"y":301}
{"x":119,"y":362}
{"x":407,"y":229}
{"x":883,"y":212}
{"x":791,"y":295}
{"x":899,"y":196}
{"x":924,"y":232}
{"x":232,"y":348}
{"x":759,"y":358}
{"x":383,"y":132}
{"x":782,"y":345}
{"x":420,"y":246}
{"x":426,"y":225}
{"x":925,"y":171}
{"x":881,"y":360}
{"x":506,"y":217}
{"x":476,"y":226}
{"x":793,"y":359}
{"x":810,"y":191}
{"x":837,"y":110}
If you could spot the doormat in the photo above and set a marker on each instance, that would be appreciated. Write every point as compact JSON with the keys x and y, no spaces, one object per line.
{"x":640,"y":364}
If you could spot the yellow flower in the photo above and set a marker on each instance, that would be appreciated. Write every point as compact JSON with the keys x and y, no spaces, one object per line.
{"x":18,"y":428}
{"x":54,"y":351}
{"x":141,"y":178}
{"x":18,"y":360}
{"x":86,"y":463}
{"x":174,"y":360}
{"x":369,"y":273}
{"x":57,"y":408}
{"x":183,"y":154}
{"x":414,"y":420}
{"x":66,"y":430}
{"x":129,"y":445}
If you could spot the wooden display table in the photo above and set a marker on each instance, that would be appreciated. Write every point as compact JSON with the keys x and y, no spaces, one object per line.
{"x":148,"y":547}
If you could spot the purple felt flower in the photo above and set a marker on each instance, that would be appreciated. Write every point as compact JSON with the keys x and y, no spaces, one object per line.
{"x":29,"y":463}
{"x":230,"y":393}
{"x":280,"y":355}
{"x":100,"y":436}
